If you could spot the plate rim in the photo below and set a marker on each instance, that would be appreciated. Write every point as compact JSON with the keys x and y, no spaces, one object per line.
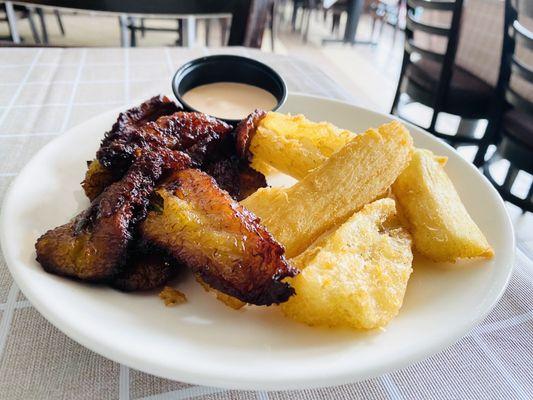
{"x":226,"y":381}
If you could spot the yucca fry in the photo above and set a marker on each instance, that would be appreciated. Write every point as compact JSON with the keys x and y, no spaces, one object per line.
{"x":441,"y":227}
{"x":352,"y":177}
{"x":294,"y":145}
{"x":357,"y":276}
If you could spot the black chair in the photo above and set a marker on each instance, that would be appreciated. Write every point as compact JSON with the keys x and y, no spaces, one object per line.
{"x":44,"y":29}
{"x":514,"y":124}
{"x":434,"y":80}
{"x":249,"y":17}
{"x":22,"y":13}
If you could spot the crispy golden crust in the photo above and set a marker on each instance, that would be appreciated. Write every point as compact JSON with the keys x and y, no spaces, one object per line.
{"x":442,"y":228}
{"x":228,"y":300}
{"x":93,"y":246}
{"x":210,"y":143}
{"x":190,"y":132}
{"x":222,"y":242}
{"x":235,"y":177}
{"x":172,"y":297}
{"x":111,"y":154}
{"x":97,"y":178}
{"x":352,"y":177}
{"x":245,"y":131}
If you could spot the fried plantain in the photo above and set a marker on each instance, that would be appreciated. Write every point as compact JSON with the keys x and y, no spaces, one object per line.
{"x":190,"y":132}
{"x":93,"y":246}
{"x":99,"y":177}
{"x":235,"y":177}
{"x":222,"y":242}
{"x":244,"y":132}
{"x":145,"y":270}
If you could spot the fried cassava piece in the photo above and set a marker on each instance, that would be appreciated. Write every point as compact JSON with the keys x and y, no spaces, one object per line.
{"x":93,"y":246}
{"x":352,"y":177}
{"x":441,"y":227}
{"x":357,"y":276}
{"x":291,"y":143}
{"x":223,"y":243}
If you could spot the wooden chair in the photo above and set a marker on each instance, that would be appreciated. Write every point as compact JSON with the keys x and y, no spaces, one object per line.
{"x":434,"y":80}
{"x":514,"y":124}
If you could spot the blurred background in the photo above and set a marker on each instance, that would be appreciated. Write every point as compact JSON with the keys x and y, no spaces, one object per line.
{"x":462,"y":69}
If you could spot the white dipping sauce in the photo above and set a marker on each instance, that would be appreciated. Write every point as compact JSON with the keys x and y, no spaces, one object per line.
{"x":229,"y":100}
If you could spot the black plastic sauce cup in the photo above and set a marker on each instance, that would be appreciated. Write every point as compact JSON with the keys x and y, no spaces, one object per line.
{"x":227,"y":68}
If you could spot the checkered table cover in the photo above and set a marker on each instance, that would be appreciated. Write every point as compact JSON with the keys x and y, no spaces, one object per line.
{"x":44,"y":92}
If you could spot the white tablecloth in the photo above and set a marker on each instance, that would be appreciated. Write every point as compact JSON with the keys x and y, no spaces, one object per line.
{"x":43,"y":92}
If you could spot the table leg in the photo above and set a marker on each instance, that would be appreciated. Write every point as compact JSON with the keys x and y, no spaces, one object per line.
{"x":124,"y":37}
{"x":355,"y":9}
{"x":12,"y":22}
{"x":189,"y":31}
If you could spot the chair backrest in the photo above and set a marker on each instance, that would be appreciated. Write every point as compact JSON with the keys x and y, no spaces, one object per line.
{"x":517,"y":41}
{"x":449,"y":32}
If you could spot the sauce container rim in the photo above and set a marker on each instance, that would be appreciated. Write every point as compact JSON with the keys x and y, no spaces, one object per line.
{"x":190,"y":66}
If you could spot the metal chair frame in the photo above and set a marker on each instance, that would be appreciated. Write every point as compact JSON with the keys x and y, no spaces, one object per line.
{"x":508,"y":147}
{"x":436,"y":99}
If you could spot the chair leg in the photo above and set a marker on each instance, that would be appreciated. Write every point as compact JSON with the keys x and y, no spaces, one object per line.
{"x":59,"y":22}
{"x":133,"y":36}
{"x":179,"y":29}
{"x":373,"y":29}
{"x":44,"y":31}
{"x":143,"y":28}
{"x":294,"y":15}
{"x":33,"y":29}
{"x":335,"y":23}
{"x":224,"y":31}
{"x":434,"y":118}
{"x":394,"y":108}
{"x":273,"y":25}
{"x":383,"y":22}
{"x":510,"y":178}
{"x":479,"y":158}
{"x":307,"y":19}
{"x":207,"y":23}
{"x":529,"y":196}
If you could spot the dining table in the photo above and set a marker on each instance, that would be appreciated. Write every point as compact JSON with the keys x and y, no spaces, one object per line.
{"x":46,"y":91}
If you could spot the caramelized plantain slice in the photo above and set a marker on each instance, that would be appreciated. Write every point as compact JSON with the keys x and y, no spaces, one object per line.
{"x":146,"y":270}
{"x":93,"y":246}
{"x":222,"y":242}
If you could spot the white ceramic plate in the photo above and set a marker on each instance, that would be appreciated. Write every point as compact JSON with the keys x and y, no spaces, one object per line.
{"x":204,"y":342}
